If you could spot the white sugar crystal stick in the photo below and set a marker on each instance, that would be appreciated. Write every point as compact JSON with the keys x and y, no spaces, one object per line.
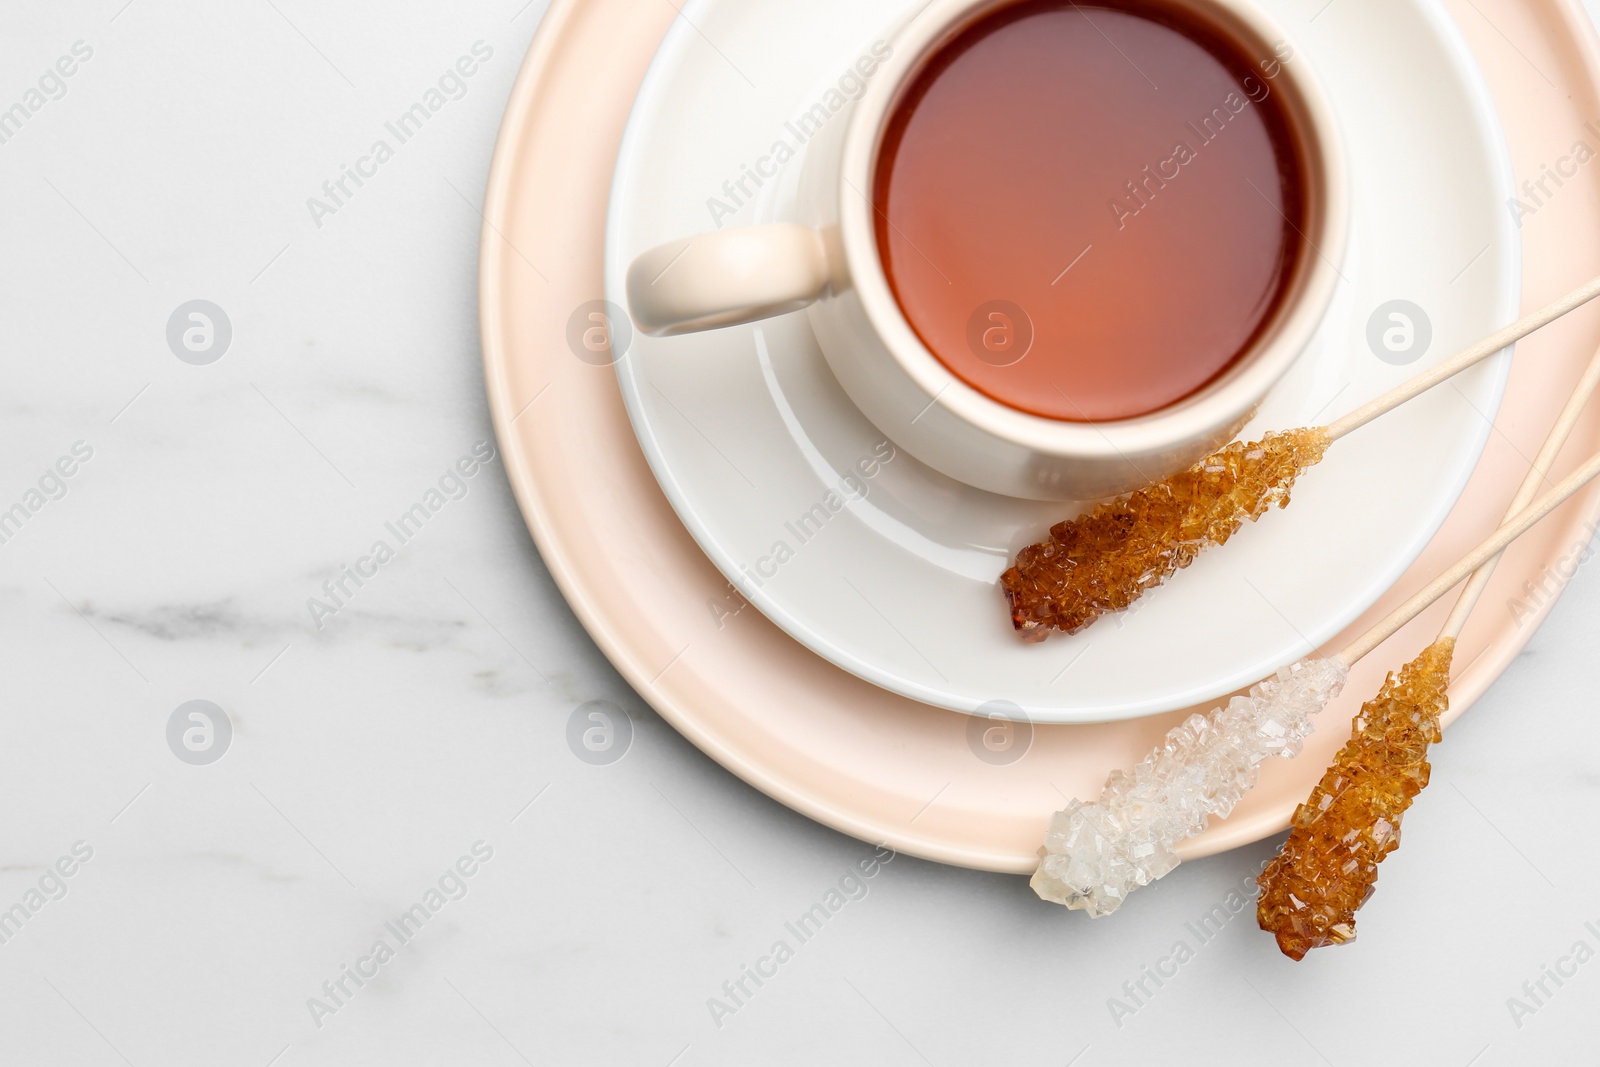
{"x":1095,"y":854}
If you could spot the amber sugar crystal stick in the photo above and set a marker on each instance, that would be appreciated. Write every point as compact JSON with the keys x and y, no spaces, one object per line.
{"x":1096,"y":853}
{"x":1328,"y":867}
{"x":1104,"y":560}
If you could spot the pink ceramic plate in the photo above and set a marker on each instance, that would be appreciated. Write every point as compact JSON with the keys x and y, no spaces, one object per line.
{"x":875,"y":765}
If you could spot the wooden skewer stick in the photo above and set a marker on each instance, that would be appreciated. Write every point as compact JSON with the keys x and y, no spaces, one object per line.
{"x":1459,"y":362}
{"x":1538,"y":474}
{"x":1466,"y":565}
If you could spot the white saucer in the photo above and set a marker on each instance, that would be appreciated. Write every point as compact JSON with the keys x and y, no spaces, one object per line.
{"x":748,"y":432}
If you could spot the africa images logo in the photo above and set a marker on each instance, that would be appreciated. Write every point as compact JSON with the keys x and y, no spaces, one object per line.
{"x":797,"y":133}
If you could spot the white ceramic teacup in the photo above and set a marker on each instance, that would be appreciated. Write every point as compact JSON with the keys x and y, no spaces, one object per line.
{"x":829,"y":263}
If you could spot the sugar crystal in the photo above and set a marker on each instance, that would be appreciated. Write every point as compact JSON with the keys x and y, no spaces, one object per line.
{"x":1103,"y":561}
{"x":1095,"y":854}
{"x":1328,"y":867}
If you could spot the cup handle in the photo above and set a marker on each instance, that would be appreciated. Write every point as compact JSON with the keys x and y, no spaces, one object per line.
{"x":727,"y":277}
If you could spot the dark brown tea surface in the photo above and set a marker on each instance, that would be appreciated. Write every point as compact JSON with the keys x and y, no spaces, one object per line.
{"x":1089,"y":212}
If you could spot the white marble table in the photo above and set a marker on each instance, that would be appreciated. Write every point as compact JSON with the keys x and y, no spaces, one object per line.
{"x":405,"y":744}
